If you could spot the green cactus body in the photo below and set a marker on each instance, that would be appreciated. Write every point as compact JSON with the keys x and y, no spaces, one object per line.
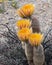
{"x":35,"y":24}
{"x":38,"y":55}
{"x":29,"y":53}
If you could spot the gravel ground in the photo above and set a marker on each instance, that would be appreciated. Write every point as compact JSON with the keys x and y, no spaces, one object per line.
{"x":43,"y":12}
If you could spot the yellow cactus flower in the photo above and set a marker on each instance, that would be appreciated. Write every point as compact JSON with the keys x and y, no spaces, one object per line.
{"x":26,"y":10}
{"x":35,"y":39}
{"x":23,"y":34}
{"x":24,"y":23}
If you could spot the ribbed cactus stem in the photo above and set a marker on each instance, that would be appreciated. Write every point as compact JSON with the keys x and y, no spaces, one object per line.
{"x":29,"y":53}
{"x":38,"y":55}
{"x":35,"y":24}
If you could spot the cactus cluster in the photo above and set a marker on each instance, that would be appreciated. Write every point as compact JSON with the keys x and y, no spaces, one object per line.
{"x":33,"y":47}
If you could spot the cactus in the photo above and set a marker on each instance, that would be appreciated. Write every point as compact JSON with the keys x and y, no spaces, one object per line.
{"x":33,"y":45}
{"x":29,"y":53}
{"x":35,"y":24}
{"x":38,"y":55}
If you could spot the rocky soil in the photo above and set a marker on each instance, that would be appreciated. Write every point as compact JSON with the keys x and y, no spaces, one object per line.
{"x":43,"y":12}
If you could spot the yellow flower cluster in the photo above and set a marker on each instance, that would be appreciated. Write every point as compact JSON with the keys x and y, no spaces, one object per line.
{"x":35,"y":39}
{"x":26,"y":10}
{"x":24,"y":33}
{"x":24,"y":23}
